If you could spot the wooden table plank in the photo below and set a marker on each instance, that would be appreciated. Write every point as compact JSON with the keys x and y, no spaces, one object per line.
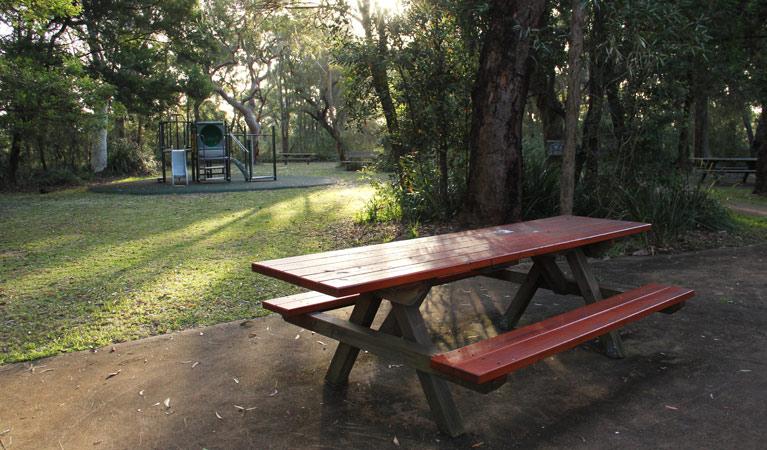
{"x":365,"y":269}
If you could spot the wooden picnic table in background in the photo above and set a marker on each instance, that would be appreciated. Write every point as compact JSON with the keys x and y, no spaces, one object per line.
{"x":707,"y":165}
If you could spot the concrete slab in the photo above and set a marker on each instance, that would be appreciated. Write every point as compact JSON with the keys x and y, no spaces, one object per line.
{"x":692,"y":380}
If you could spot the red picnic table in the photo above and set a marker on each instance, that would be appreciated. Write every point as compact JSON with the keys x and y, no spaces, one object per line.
{"x":403,"y":272}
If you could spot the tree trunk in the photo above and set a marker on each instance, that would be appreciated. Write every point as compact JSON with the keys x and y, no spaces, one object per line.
{"x":494,"y":193}
{"x":683,"y":148}
{"x":379,"y":74}
{"x":551,"y":112}
{"x":760,"y":147}
{"x":14,"y":158}
{"x":747,"y":124}
{"x":41,"y":153}
{"x":572,"y":108}
{"x":99,"y":148}
{"x":598,"y":68}
{"x":700,"y":130}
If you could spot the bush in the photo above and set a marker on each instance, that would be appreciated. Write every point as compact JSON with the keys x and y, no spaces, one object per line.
{"x":670,"y":202}
{"x":125,"y":158}
{"x":53,"y":177}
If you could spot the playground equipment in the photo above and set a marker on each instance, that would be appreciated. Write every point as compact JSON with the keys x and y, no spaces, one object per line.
{"x":211,"y":148}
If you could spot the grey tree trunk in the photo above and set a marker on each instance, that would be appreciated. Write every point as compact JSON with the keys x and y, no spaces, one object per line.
{"x":99,"y":147}
{"x":572,"y":108}
{"x":494,"y":193}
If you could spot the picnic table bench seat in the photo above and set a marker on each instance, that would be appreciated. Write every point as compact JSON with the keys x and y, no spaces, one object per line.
{"x":295,"y":305}
{"x":496,"y":357}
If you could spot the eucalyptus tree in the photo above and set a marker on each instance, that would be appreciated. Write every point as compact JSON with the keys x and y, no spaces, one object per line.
{"x":495,"y":175}
{"x":247,"y":45}
{"x":127,"y":45}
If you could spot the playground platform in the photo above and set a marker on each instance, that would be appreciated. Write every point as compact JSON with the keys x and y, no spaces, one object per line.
{"x":152,"y":187}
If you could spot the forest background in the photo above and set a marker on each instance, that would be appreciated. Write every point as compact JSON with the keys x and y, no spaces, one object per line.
{"x":459,"y":97}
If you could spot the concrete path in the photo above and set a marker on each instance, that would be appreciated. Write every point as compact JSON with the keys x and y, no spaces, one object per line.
{"x":695,"y":379}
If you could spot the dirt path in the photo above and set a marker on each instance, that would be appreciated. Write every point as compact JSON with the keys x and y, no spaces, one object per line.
{"x":695,"y":379}
{"x":745,"y":208}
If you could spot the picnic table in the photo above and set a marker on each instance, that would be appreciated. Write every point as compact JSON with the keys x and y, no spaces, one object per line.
{"x":707,"y":165}
{"x":302,"y":157}
{"x":402,"y":272}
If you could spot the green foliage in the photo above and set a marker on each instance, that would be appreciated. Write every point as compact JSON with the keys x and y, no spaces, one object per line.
{"x":671,"y":202}
{"x":126,"y":158}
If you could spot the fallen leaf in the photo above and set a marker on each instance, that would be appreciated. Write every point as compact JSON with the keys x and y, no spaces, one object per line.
{"x":167,"y":402}
{"x":113,"y":374}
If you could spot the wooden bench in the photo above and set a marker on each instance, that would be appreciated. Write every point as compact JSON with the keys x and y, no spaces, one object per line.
{"x":295,"y":305}
{"x":495,"y":357}
{"x":356,"y":160}
{"x":308,"y":157}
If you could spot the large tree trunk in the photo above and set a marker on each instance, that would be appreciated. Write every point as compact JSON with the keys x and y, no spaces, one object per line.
{"x":760,"y":147}
{"x":572,"y":109}
{"x":99,"y":147}
{"x":495,"y":169}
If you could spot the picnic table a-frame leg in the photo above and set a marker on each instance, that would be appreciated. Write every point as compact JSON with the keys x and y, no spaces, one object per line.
{"x":591,"y":293}
{"x":343,"y":359}
{"x":443,"y":407}
{"x":545,"y":272}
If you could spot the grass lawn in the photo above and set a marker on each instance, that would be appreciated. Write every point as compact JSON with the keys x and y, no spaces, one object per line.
{"x":80,"y":269}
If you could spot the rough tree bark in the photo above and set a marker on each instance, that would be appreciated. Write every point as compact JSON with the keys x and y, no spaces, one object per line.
{"x":495,"y":168}
{"x":572,"y":108}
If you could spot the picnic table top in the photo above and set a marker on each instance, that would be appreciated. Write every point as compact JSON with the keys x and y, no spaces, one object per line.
{"x":365,"y":269}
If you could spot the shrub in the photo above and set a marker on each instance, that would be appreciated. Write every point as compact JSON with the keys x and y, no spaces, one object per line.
{"x":126,"y":158}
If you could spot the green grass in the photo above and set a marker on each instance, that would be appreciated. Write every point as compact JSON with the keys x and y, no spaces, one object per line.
{"x":81,"y":269}
{"x":739,"y":193}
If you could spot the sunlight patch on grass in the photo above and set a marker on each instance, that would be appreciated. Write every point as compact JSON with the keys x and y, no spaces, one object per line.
{"x":81,"y":270}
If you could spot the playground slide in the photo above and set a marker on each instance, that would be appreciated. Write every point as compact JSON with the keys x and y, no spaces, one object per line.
{"x":242,"y":168}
